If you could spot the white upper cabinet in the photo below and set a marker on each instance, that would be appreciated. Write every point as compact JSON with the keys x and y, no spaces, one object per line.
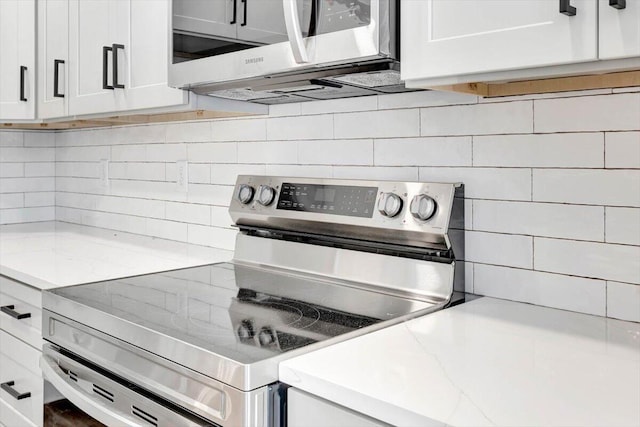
{"x":619,"y":33}
{"x":17,"y":59}
{"x":53,"y":58}
{"x":457,"y":37}
{"x":119,"y":56}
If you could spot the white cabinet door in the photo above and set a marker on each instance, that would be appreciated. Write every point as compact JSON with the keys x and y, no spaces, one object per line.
{"x":307,"y":410}
{"x":90,"y":23}
{"x":53,"y":58}
{"x":456,"y":37}
{"x":17,"y":59}
{"x":619,"y":32}
{"x":144,"y":60}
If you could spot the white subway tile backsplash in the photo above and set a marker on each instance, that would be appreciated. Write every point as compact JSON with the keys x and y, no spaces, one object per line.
{"x":622,"y":150}
{"x":478,"y":119}
{"x":623,"y":225}
{"x":27,"y":154}
{"x":26,"y":185}
{"x":344,"y":105}
{"x":40,"y":199}
{"x":220,"y":217}
{"x":39,"y":139}
{"x":587,"y":186}
{"x":39,"y":169}
{"x":280,"y":152}
{"x":540,"y":201}
{"x":553,"y":290}
{"x":301,"y":127}
{"x":437,"y":151}
{"x":585,"y":259}
{"x":283,"y":110}
{"x":15,"y":216}
{"x":199,"y":173}
{"x":312,"y":171}
{"x":378,"y":124}
{"x":188,"y":212}
{"x":581,"y":150}
{"x":588,"y":113}
{"x":11,"y":138}
{"x":188,"y":132}
{"x":376,"y":172}
{"x":147,"y":134}
{"x":129,"y":206}
{"x":540,"y":219}
{"x":223,"y":238}
{"x":429,"y":98}
{"x":210,"y":194}
{"x":137,"y":170}
{"x":239,"y":130}
{"x":623,"y":301}
{"x":227,"y":174}
{"x":11,"y":200}
{"x":499,"y":249}
{"x":82,"y":154}
{"x":485,"y":183}
{"x":166,"y":152}
{"x":339,"y":152}
{"x":219,"y":152}
{"x":11,"y":170}
{"x":166,"y":229}
{"x":77,"y":169}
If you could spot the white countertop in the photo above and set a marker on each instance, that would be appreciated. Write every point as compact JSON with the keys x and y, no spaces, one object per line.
{"x":484,"y":363}
{"x":53,"y":254}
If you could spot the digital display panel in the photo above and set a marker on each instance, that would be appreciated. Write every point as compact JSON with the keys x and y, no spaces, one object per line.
{"x":330,"y":199}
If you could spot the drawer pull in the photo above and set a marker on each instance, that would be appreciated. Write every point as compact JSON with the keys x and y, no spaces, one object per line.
{"x":8,"y":387}
{"x":566,"y":8}
{"x":10,"y":310}
{"x":618,"y":4}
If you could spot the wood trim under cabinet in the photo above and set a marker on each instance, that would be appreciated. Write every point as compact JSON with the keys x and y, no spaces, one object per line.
{"x":550,"y":85}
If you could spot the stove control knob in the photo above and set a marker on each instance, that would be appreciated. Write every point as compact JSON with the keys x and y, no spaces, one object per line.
{"x":245,"y":330}
{"x":266,"y":195}
{"x":390,"y":204}
{"x":245,"y":193}
{"x":266,"y":336}
{"x":423,"y":207}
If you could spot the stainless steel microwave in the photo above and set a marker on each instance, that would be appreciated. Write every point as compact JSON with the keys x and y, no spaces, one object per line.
{"x":277,"y":51}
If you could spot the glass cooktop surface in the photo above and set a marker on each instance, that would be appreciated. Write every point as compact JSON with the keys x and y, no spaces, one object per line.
{"x":239,"y":312}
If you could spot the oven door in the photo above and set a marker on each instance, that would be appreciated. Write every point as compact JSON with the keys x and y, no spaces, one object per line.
{"x":218,"y":41}
{"x":108,"y":400}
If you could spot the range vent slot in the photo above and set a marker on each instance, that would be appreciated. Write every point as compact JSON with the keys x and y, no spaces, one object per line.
{"x":144,"y":415}
{"x":73,"y":376}
{"x":103,"y":393}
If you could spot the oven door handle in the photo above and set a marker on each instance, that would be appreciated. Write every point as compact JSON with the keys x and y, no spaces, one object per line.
{"x":89,"y":404}
{"x":292,"y":22}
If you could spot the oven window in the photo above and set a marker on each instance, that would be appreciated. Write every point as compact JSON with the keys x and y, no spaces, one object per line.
{"x":205,"y":28}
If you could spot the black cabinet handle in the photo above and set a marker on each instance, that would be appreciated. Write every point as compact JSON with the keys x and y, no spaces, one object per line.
{"x":10,"y":310}
{"x":23,"y":70}
{"x":105,"y":61}
{"x":115,"y":66}
{"x":566,"y":8}
{"x":618,"y":4}
{"x":244,"y":19}
{"x":56,"y":78}
{"x":235,"y":12}
{"x":8,"y":387}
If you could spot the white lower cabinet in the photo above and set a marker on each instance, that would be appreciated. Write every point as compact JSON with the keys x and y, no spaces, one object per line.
{"x":307,"y":410}
{"x":20,"y":351}
{"x":22,"y":385}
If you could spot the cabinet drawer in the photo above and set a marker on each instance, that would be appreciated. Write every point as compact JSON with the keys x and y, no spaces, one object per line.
{"x":19,"y":363}
{"x":9,"y":417}
{"x":19,"y":299}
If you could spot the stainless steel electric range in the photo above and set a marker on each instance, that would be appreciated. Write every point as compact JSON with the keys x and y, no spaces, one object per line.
{"x":316,"y":261}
